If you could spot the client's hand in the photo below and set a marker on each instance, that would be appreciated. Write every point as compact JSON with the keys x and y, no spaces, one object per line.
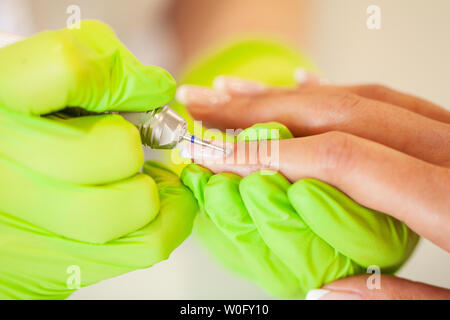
{"x":387,"y":150}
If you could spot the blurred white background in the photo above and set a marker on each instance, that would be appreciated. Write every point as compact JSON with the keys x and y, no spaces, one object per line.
{"x":410,"y":52}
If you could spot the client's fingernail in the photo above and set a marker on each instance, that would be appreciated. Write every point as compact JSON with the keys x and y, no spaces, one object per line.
{"x":324,"y":82}
{"x":303,"y":76}
{"x":238,"y":85}
{"x":323,"y":294}
{"x":188,"y":94}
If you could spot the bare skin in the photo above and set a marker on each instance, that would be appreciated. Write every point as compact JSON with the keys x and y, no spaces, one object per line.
{"x":387,"y":150}
{"x":392,"y":288}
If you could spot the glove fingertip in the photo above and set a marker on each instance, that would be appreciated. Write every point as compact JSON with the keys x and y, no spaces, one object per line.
{"x":193,"y":171}
{"x":265,"y":131}
{"x":224,"y":177}
{"x":300,"y":187}
{"x":195,"y":178}
{"x":159,"y":84}
{"x":263,"y":178}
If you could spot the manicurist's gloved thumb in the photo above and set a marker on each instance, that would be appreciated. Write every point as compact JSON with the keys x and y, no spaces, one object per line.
{"x":86,"y":67}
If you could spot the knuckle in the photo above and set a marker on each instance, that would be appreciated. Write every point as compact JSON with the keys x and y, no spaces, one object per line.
{"x":249,"y":104}
{"x":339,"y":102}
{"x":67,"y":58}
{"x":346,"y":100}
{"x":63,"y":47}
{"x":376,"y":91}
{"x":336,"y":151}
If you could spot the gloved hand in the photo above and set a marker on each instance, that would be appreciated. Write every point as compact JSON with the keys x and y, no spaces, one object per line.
{"x":291,"y":238}
{"x":70,"y":190}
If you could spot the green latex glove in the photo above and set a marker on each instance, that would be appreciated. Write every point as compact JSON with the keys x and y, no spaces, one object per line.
{"x":291,"y":238}
{"x":70,"y":190}
{"x":39,"y":264}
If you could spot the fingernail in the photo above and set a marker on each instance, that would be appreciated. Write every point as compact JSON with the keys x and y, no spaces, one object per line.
{"x":238,"y":85}
{"x":193,"y":151}
{"x":324,"y":82}
{"x":323,"y":294}
{"x":188,"y":94}
{"x":303,"y":76}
